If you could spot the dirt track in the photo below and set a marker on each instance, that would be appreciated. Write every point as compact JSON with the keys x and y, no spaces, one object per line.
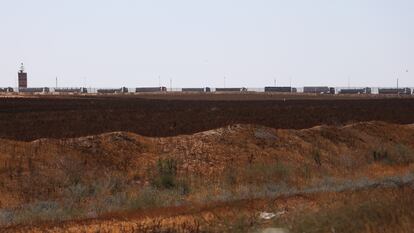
{"x":33,"y":118}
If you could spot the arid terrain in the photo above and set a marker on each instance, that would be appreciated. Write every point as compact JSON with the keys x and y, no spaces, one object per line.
{"x":207,"y":164}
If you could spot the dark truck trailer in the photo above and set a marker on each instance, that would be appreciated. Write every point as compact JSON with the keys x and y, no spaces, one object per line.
{"x":207,"y":89}
{"x":317,"y":90}
{"x":113,"y":91}
{"x":231,"y":89}
{"x":34,"y":90}
{"x":366,"y":90}
{"x":351,"y":91}
{"x":108,"y":91}
{"x":6,"y":89}
{"x":71,"y":90}
{"x":150,"y":89}
{"x":394,"y":91}
{"x":281,"y":89}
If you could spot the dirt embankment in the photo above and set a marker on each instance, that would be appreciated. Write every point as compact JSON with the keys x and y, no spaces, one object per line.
{"x":105,"y":174}
{"x":43,"y":168}
{"x":52,"y":117}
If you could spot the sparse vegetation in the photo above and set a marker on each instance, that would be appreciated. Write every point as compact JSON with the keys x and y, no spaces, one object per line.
{"x":380,"y":155}
{"x":398,"y":154}
{"x":37,"y":212}
{"x":404,"y":155}
{"x":267,"y":172}
{"x":166,"y":177}
{"x":305,"y":172}
{"x":109,"y":175}
{"x":391,"y":213}
{"x":317,"y":157}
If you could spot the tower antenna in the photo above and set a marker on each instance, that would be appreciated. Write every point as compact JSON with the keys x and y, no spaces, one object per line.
{"x":21,"y":67}
{"x":398,"y":84}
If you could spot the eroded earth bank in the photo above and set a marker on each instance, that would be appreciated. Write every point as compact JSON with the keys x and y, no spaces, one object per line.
{"x":241,"y":178}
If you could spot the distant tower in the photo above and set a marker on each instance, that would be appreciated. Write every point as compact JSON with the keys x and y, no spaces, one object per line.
{"x":22,"y":77}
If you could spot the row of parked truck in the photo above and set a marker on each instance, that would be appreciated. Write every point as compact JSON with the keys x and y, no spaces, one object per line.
{"x":309,"y":90}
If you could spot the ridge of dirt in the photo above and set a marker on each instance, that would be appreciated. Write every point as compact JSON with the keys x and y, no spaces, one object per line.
{"x":35,"y":168}
{"x":237,"y":156}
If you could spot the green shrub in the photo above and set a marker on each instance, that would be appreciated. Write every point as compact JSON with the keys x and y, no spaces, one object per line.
{"x":317,"y":157}
{"x":397,"y":155}
{"x":380,"y":155}
{"x":167,"y":178}
{"x":305,"y":172}
{"x":166,"y":174}
{"x":230,"y":176}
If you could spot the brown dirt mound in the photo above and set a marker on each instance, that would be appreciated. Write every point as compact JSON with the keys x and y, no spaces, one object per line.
{"x":42,"y":169}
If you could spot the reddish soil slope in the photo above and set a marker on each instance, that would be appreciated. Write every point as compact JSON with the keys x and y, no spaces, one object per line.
{"x":43,"y":168}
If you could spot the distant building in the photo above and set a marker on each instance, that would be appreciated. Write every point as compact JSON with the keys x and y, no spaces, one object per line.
{"x":22,"y":76}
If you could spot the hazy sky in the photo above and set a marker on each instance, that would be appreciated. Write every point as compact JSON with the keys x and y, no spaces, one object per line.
{"x":104,"y":43}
